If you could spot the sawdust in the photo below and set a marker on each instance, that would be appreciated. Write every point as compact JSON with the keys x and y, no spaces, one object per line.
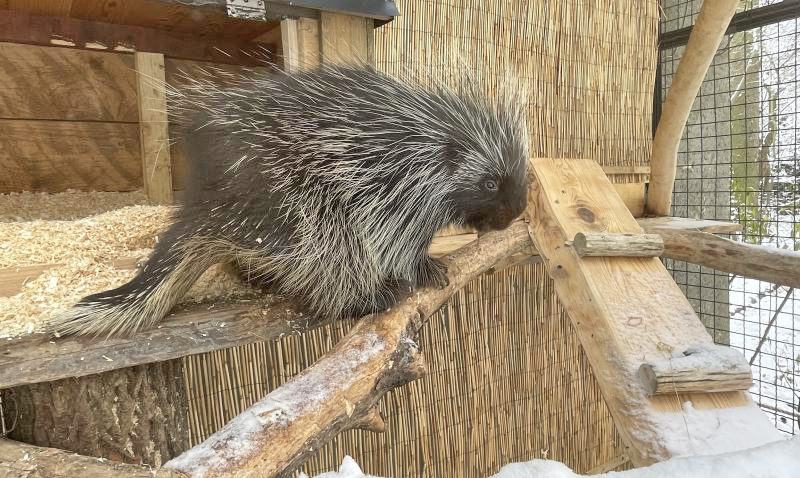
{"x":75,"y":258}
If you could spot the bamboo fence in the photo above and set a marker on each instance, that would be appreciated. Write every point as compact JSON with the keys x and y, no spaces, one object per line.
{"x":508,"y":379}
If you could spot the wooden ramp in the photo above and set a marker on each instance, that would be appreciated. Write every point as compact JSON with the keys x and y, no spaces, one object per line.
{"x":627,"y":312}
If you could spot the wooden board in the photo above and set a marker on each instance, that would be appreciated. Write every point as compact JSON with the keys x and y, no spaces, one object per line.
{"x":174,"y":16}
{"x":58,"y":155}
{"x":20,"y":27}
{"x":344,"y":38}
{"x":154,"y":128}
{"x":627,"y":311}
{"x":632,"y":194}
{"x":60,"y":84}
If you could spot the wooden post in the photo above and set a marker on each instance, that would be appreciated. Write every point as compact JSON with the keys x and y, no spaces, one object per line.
{"x":300,"y":43}
{"x":153,"y":127}
{"x":706,"y":35}
{"x":133,"y":415}
{"x":346,"y":38}
{"x":628,"y":310}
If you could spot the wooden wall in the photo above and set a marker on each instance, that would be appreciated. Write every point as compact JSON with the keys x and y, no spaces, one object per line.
{"x":69,"y":119}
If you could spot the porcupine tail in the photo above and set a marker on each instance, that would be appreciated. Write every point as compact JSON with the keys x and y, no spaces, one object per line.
{"x":176,"y":263}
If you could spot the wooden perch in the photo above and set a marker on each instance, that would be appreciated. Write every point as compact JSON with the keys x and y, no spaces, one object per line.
{"x":703,"y":42}
{"x":603,"y":244}
{"x":20,"y":460}
{"x":342,"y":389}
{"x":704,"y":368}
{"x":779,"y":266}
{"x":625,"y":311}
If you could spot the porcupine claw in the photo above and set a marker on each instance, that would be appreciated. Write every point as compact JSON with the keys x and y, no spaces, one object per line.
{"x":435,"y":273}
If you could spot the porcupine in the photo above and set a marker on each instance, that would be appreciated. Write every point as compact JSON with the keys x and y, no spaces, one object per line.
{"x":328,"y":184}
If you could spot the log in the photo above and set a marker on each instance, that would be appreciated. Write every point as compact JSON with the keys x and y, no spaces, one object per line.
{"x":133,"y":415}
{"x":655,"y":224}
{"x":341,"y":390}
{"x":706,"y":35}
{"x":20,"y":460}
{"x":603,"y":244}
{"x":703,"y":368}
{"x":771,"y":264}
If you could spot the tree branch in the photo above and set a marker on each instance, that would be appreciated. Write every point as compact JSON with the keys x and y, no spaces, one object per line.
{"x":341,"y":391}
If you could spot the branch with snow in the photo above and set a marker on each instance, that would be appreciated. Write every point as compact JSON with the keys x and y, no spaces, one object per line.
{"x":341,"y":391}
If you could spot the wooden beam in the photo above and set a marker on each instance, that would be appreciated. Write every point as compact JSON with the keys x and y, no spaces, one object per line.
{"x":707,"y":33}
{"x":708,"y":368}
{"x":603,"y":244}
{"x":154,"y":127}
{"x":344,"y":38}
{"x":655,"y":224}
{"x":627,"y":310}
{"x":21,"y":27}
{"x":289,"y":47}
{"x":20,"y":460}
{"x":276,"y":435}
{"x":767,"y":263}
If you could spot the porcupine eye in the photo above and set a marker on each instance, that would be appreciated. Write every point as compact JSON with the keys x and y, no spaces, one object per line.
{"x":490,"y":185}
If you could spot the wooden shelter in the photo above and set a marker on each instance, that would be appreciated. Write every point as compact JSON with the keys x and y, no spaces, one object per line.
{"x":563,"y":336}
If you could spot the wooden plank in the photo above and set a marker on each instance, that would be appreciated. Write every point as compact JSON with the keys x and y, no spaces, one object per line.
{"x":344,"y":38}
{"x":193,"y":330}
{"x":54,"y":156}
{"x":633,"y":195}
{"x":13,"y":279}
{"x":61,"y":84}
{"x":154,"y":127}
{"x":289,"y":47}
{"x":176,"y":16}
{"x":656,"y":224}
{"x":624,"y":170}
{"x":308,"y":42}
{"x":19,"y":27}
{"x":625,"y":311}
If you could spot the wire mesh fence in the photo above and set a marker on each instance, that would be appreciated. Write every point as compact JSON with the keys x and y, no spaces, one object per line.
{"x":738,"y":162}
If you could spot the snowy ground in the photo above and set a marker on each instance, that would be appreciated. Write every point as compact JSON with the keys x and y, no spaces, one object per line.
{"x":776,"y":368}
{"x":775,"y":460}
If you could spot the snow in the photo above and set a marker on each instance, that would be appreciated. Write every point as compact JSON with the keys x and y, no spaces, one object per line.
{"x":778,"y":459}
{"x":694,"y":432}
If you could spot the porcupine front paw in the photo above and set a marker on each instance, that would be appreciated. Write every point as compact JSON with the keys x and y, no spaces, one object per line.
{"x":434,"y":274}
